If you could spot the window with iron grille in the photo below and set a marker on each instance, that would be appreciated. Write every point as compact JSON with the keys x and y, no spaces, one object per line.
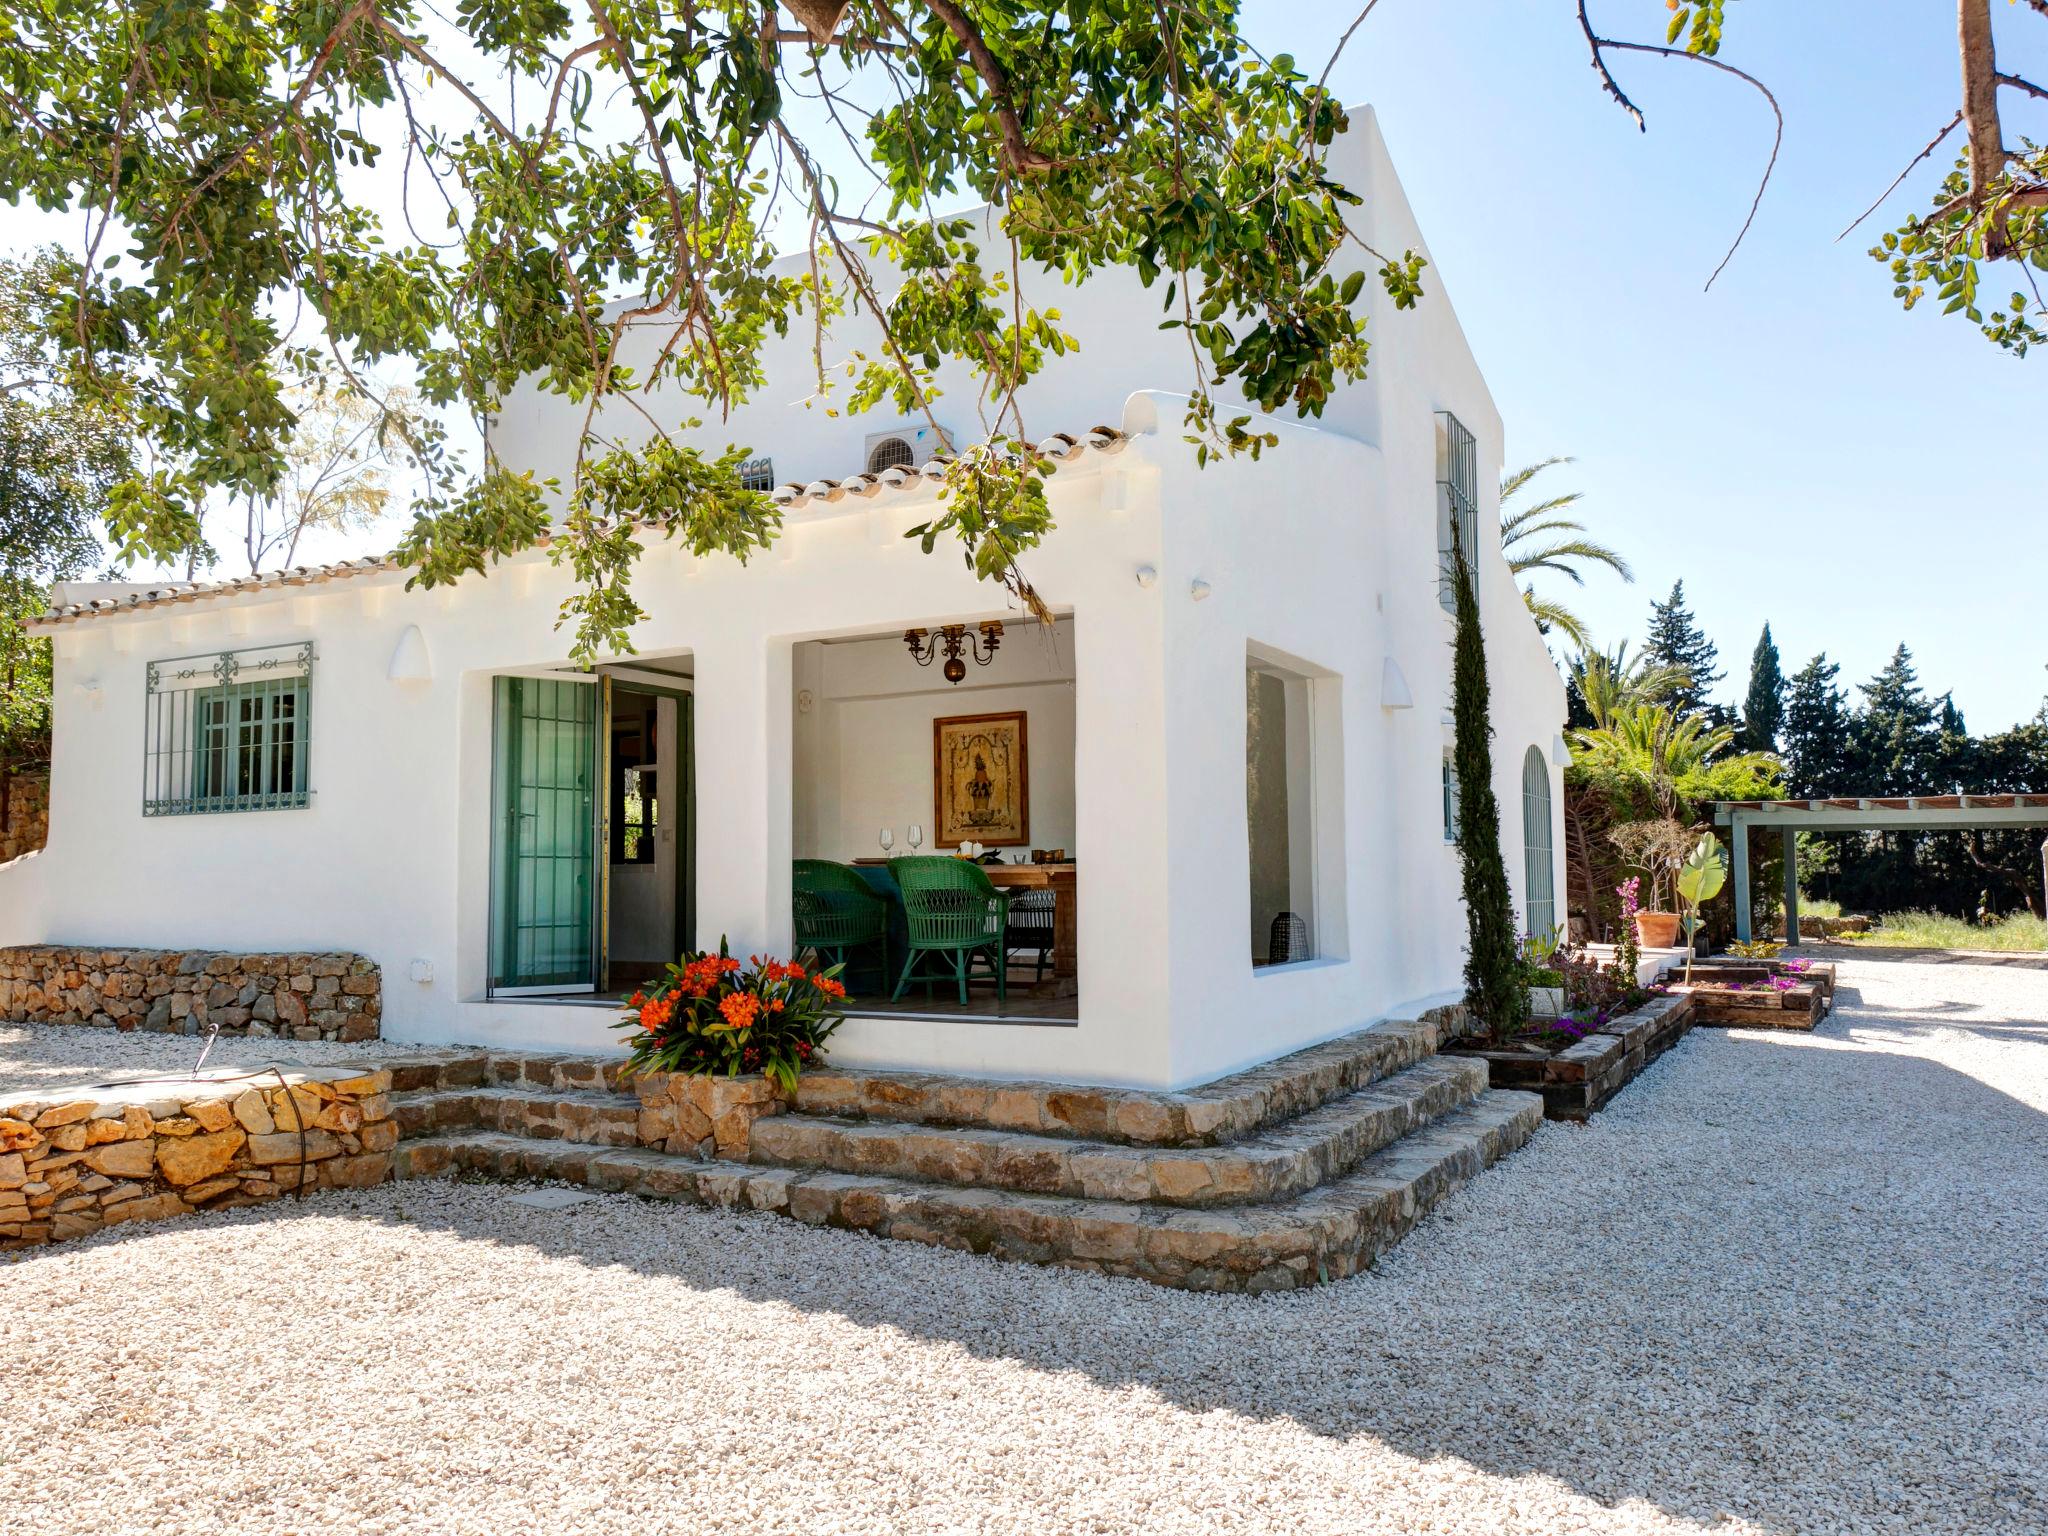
{"x":228,"y":731}
{"x":1450,"y":799}
{"x":1457,"y":496}
{"x":757,"y":475}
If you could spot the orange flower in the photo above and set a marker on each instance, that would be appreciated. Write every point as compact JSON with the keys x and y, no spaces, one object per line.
{"x":741,"y":1009}
{"x":636,"y":1000}
{"x":829,"y":985}
{"x":793,"y":971}
{"x":727,"y":963}
{"x":776,"y":1006}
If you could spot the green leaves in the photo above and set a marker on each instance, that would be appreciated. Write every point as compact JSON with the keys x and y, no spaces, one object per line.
{"x":588,"y":197}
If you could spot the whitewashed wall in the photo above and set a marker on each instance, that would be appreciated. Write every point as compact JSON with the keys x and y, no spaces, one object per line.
{"x":1324,"y":552}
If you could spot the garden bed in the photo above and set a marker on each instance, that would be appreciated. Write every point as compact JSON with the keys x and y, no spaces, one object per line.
{"x":1724,"y":970}
{"x":1759,"y":1004}
{"x":1576,"y":1080}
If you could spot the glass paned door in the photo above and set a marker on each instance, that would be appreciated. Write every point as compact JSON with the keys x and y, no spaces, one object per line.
{"x":544,"y":864}
{"x":1536,"y":846}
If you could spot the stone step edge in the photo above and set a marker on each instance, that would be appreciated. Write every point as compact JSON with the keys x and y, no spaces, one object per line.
{"x":1333,"y":1231}
{"x":1229,"y":1109}
{"x":1324,"y":1144}
{"x":566,"y":1114}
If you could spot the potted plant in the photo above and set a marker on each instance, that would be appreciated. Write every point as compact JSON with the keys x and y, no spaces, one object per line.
{"x":1540,"y":970}
{"x":1699,"y":879}
{"x":1657,"y":848}
{"x":713,"y":1016}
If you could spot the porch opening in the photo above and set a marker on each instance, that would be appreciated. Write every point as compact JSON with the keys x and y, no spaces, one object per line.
{"x":932,"y":792}
{"x":593,"y":857}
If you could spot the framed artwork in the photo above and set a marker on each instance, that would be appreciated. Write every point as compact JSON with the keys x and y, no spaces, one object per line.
{"x":981,"y":784}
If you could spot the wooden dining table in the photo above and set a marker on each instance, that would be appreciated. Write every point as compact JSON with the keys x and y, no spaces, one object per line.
{"x":1059,"y":879}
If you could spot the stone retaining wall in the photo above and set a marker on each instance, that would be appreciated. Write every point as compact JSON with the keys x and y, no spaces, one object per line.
{"x":184,"y":992}
{"x":26,"y":825}
{"x":79,"y":1160}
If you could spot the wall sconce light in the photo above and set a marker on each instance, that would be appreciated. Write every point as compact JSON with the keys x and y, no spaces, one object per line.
{"x":952,"y":641}
{"x":1147,"y":575}
{"x":1198,"y":589}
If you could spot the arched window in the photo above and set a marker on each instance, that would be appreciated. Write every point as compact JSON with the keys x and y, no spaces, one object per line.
{"x":1538,"y":887}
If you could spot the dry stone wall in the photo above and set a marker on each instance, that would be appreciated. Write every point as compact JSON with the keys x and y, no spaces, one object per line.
{"x":83,"y":1160}
{"x":185,"y":992}
{"x":26,"y":825}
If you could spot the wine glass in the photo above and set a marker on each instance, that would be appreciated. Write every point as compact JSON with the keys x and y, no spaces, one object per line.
{"x":916,"y":837}
{"x":888,"y":839}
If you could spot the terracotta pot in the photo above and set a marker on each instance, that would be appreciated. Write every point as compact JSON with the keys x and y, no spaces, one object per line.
{"x":1657,"y":930}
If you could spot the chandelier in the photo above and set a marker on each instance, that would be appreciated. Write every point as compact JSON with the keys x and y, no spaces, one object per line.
{"x":952,"y":641}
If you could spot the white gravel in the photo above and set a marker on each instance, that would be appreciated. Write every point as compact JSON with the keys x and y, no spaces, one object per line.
{"x":1783,"y":1284}
{"x":36,"y":1056}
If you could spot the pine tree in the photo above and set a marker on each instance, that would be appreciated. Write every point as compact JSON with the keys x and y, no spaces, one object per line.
{"x":1494,"y":987}
{"x":1677,"y":641}
{"x":1763,"y":708}
{"x":1817,"y":734}
{"x":1897,"y":736}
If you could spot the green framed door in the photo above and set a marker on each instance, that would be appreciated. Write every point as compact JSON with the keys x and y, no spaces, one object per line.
{"x":546,"y":740}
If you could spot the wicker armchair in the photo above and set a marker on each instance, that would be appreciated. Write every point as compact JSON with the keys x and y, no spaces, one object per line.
{"x":837,"y":915}
{"x":1030,"y":927}
{"x":955,"y":916}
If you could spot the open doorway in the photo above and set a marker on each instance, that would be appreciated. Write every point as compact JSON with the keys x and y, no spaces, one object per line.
{"x":895,"y":757}
{"x":593,"y":855}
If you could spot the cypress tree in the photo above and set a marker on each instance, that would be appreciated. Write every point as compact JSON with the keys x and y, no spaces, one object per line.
{"x":1494,"y":987}
{"x":1763,"y":709}
{"x":1899,"y":738}
{"x":1677,"y":641}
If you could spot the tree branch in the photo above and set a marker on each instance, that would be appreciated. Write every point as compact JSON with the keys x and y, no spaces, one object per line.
{"x":1595,"y":43}
{"x":1022,"y":156}
{"x":1932,"y":145}
{"x":2019,"y":84}
{"x":1599,"y":43}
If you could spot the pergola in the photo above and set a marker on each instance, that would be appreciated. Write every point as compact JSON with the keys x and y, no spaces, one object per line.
{"x":1898,"y":813}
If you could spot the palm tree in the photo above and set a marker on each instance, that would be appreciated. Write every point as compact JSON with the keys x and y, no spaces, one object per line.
{"x":1612,"y":684}
{"x":1541,"y":538}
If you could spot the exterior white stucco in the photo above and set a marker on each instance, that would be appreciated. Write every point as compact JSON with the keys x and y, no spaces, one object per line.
{"x":1321,"y":555}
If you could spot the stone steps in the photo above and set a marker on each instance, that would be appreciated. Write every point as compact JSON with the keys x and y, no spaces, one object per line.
{"x":1322,"y":1233}
{"x":1226,"y":1110}
{"x":1276,"y":1162}
{"x":591,"y":1116}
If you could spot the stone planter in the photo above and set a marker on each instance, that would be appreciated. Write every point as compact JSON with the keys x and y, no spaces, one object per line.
{"x":1720,"y":972}
{"x":1546,"y":1002}
{"x":708,"y":1116}
{"x":1578,"y":1080}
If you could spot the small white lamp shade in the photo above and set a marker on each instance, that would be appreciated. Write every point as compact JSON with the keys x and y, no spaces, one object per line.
{"x":1560,"y":754}
{"x":409,"y":660}
{"x":1394,"y":692}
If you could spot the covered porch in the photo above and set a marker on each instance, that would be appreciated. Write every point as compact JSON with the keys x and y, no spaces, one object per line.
{"x":933,"y":818}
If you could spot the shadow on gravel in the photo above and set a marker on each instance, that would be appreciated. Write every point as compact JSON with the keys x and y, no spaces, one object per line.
{"x":1710,"y":1299}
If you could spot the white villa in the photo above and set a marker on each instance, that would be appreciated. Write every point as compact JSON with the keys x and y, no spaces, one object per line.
{"x":1228,"y":756}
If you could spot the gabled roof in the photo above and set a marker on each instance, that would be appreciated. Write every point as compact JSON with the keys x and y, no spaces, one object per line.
{"x":1061,"y":446}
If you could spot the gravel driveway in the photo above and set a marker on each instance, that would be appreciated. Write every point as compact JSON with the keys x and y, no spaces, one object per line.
{"x":1783,"y":1284}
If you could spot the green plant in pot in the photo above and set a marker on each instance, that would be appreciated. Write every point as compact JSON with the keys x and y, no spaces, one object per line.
{"x":1658,"y":848}
{"x":1699,"y":880}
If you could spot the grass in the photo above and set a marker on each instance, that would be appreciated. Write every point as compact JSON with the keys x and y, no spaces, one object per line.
{"x":1935,"y":930}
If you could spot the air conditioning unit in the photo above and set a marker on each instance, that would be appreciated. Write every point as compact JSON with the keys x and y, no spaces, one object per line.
{"x":904,"y":447}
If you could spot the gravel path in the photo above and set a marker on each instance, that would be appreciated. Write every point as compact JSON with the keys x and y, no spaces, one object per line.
{"x":1784,"y":1284}
{"x":66,"y":1055}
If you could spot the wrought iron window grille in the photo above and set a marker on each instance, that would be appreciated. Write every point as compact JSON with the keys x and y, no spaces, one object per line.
{"x":228,"y":731}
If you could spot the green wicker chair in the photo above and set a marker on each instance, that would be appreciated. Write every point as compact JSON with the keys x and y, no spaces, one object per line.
{"x":955,"y":916}
{"x":838,"y":914}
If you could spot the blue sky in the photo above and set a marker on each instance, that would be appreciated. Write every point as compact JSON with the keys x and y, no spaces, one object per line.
{"x":1792,"y":444}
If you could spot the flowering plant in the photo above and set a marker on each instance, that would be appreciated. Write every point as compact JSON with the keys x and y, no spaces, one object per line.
{"x":712,"y":1015}
{"x":1628,"y":952}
